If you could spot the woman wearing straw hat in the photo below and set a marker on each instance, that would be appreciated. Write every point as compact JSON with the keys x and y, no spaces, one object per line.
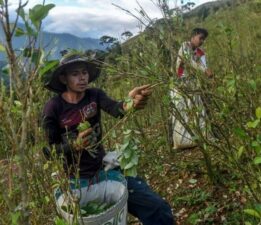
{"x":76,"y":103}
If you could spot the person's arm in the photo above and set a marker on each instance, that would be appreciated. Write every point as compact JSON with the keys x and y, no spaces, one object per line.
{"x":139,"y":96}
{"x":54,"y":140}
{"x":203,"y":61}
{"x":201,"y":64}
{"x":51,"y":128}
{"x":109,"y":105}
{"x":64,"y":145}
{"x":198,"y":66}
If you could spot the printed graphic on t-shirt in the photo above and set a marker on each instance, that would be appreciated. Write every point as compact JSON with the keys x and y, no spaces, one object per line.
{"x":76,"y":116}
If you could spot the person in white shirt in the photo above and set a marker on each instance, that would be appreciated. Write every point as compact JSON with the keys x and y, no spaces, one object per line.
{"x":190,"y":57}
{"x":191,"y":53}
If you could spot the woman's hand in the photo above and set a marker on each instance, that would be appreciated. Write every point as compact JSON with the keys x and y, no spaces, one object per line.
{"x":209,"y":73}
{"x":140,"y":96}
{"x":83,"y":140}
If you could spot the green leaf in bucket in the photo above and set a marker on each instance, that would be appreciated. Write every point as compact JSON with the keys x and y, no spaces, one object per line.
{"x":95,"y":207}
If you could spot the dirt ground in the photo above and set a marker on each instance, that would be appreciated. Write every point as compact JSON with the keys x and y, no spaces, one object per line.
{"x":194,"y":200}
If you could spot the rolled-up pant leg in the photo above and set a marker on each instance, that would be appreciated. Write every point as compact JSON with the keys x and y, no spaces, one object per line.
{"x":146,"y":205}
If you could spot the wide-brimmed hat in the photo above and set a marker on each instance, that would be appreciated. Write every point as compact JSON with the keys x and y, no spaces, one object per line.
{"x":93,"y":67}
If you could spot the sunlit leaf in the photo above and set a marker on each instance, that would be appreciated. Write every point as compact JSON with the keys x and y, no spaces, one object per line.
{"x":135,"y":159}
{"x":46,"y":166}
{"x":127,"y":153}
{"x":21,"y":13}
{"x":126,"y":132}
{"x":252,"y":212}
{"x":59,"y":221}
{"x":258,"y":113}
{"x":38,"y":13}
{"x":240,"y":151}
{"x":129,"y":165}
{"x":123,"y":162}
{"x":47,"y":199}
{"x":253,"y":124}
{"x":132,"y":172}
{"x":18,"y":103}
{"x":15,"y":217}
{"x":257,"y":160}
{"x":248,"y":223}
{"x":19,"y":32}
{"x":124,"y":146}
{"x":48,"y":66}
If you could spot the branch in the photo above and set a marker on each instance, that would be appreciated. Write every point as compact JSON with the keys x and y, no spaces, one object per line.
{"x":130,"y":13}
{"x":17,"y":15}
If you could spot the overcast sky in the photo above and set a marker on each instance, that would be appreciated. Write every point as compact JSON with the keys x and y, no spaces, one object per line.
{"x":95,"y":18}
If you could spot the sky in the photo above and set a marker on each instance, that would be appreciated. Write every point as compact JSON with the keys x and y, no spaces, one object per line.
{"x":95,"y":18}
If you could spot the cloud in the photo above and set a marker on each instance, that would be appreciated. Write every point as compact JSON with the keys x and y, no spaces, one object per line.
{"x":95,"y":18}
{"x":91,"y":22}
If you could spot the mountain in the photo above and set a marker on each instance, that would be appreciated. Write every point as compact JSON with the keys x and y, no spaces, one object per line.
{"x":64,"y":41}
{"x":53,"y":42}
{"x":204,"y":10}
{"x":206,"y":15}
{"x":57,"y":42}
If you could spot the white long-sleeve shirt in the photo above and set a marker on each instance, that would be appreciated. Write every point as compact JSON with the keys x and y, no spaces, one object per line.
{"x":196,"y":58}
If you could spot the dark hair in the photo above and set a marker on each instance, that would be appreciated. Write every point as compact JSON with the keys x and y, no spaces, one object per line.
{"x":197,"y":31}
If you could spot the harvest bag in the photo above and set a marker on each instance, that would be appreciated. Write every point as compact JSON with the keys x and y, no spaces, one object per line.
{"x":109,"y":187}
{"x":181,"y":137}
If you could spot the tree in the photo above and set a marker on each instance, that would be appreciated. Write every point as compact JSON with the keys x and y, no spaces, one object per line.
{"x":25,"y":67}
{"x":107,"y":40}
{"x":126,"y":35}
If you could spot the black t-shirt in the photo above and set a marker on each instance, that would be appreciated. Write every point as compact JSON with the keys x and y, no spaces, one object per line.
{"x":60,"y":121}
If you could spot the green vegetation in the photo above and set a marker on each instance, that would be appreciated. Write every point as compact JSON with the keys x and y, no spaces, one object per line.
{"x":217,"y":183}
{"x":83,"y":126}
{"x":91,"y":208}
{"x":95,"y":207}
{"x":129,"y":154}
{"x":228,"y":163}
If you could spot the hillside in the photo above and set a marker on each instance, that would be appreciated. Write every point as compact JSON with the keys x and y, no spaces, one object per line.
{"x":204,"y":10}
{"x":233,"y":50}
{"x":202,"y":15}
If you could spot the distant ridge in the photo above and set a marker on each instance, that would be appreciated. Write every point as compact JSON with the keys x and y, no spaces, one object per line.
{"x":56,"y":42}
